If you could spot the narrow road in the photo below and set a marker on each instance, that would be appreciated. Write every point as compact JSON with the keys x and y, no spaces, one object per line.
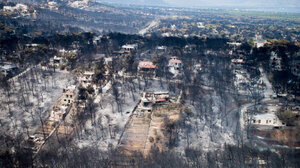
{"x":22,"y":73}
{"x":151,"y":25}
{"x":242,"y":117}
{"x":268,"y":90}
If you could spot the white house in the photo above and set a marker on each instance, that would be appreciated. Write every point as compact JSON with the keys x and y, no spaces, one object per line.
{"x":267,"y":119}
{"x":130,"y":47}
{"x":175,"y":65}
{"x":161,"y":48}
{"x":234,"y":44}
{"x":259,"y":41}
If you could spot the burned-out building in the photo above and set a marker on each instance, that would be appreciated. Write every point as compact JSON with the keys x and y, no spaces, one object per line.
{"x":86,"y":78}
{"x":9,"y":70}
{"x":175,"y":65}
{"x":68,"y":96}
{"x":149,"y":99}
{"x":146,"y":67}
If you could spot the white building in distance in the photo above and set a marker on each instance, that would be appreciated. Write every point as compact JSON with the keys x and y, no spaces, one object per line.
{"x":130,"y":47}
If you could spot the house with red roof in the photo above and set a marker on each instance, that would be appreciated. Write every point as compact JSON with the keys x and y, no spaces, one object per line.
{"x":149,"y":99}
{"x":175,"y":65}
{"x":146,"y":66}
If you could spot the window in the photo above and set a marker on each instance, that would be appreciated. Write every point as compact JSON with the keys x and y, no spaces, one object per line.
{"x":146,"y":104}
{"x":258,"y":121}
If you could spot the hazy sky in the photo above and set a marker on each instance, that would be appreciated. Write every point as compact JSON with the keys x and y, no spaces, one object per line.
{"x":213,"y":3}
{"x":244,"y":3}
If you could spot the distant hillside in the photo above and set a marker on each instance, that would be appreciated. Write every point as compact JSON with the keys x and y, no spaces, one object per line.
{"x":137,"y":2}
{"x":212,"y":3}
{"x":66,"y":17}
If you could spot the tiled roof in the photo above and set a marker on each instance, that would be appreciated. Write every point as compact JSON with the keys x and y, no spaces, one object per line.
{"x":175,"y":61}
{"x":147,"y":65}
